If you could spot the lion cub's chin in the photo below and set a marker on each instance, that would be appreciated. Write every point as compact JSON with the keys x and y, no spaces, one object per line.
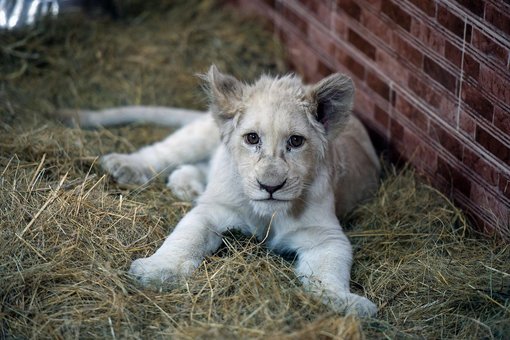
{"x":267,"y":208}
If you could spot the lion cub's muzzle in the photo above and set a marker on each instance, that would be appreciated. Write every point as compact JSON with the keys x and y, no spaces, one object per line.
{"x":271,"y":189}
{"x":271,"y":178}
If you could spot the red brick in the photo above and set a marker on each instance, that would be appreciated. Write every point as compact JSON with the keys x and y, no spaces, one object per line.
{"x":418,"y":118}
{"x":498,"y":86}
{"x":325,"y":11}
{"x":438,"y":73}
{"x":489,"y":47}
{"x":453,"y":54}
{"x":448,"y":110}
{"x":419,"y":154}
{"x":498,"y":18}
{"x":320,"y":9}
{"x":340,"y":26}
{"x":396,"y":14}
{"x":427,"y":6}
{"x":406,"y":51}
{"x":476,"y":100}
{"x":430,"y":36}
{"x":493,"y":145}
{"x":293,"y":18}
{"x":321,"y":41}
{"x":411,"y":144}
{"x":270,"y":3}
{"x":469,"y":32}
{"x":378,"y":85}
{"x":424,"y":91}
{"x":350,"y":7}
{"x":297,"y":51}
{"x":446,"y":139}
{"x":356,"y":68}
{"x":361,"y":43}
{"x":375,"y":4}
{"x":393,"y":97}
{"x":489,"y":203}
{"x":390,"y":66}
{"x":428,"y":157}
{"x":396,"y":153}
{"x":504,"y":184}
{"x":480,"y":166}
{"x":375,"y":25}
{"x":439,"y":183}
{"x":467,"y":124}
{"x":363,"y":103}
{"x":411,"y":141}
{"x":471,"y":67}
{"x":323,"y":70}
{"x":476,"y":7}
{"x":289,"y":38}
{"x":456,"y":179}
{"x":502,"y":120}
{"x":382,"y":117}
{"x":450,"y":21}
{"x":396,"y":130}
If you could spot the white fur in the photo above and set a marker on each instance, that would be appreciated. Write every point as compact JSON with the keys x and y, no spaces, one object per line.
{"x":193,"y":143}
{"x":327,"y":174}
{"x":188,"y":181}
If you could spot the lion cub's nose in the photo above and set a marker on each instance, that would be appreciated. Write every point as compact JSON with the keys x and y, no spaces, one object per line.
{"x":271,"y":188}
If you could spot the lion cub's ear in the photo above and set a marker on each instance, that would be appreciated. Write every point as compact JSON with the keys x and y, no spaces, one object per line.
{"x":225,"y":94}
{"x":334,"y":96}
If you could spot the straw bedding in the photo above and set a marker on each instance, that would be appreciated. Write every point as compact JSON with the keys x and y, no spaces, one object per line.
{"x":68,"y":233}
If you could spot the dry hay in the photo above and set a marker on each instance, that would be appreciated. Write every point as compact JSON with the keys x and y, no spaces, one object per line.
{"x":67,"y":233}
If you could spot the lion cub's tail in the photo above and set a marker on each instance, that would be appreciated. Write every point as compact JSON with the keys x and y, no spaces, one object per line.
{"x":166,"y":116}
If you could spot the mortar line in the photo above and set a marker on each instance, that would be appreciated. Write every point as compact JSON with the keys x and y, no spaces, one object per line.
{"x":461,"y":76}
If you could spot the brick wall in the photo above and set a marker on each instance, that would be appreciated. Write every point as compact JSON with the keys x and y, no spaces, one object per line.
{"x":432,"y":79}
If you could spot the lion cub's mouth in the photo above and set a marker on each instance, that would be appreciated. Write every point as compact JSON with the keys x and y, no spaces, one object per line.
{"x":270,"y":199}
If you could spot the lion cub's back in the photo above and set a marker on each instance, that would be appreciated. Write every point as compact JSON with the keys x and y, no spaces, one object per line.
{"x":360,"y":178}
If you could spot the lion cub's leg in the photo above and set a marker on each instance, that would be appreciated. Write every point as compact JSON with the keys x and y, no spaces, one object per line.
{"x":324,"y":260}
{"x":188,"y":181}
{"x":197,"y":235}
{"x":192,"y":143}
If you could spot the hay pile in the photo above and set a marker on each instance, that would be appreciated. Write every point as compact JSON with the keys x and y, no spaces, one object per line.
{"x":67,"y":233}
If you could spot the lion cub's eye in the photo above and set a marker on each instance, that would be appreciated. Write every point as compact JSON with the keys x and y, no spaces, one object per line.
{"x":296,"y":141}
{"x":252,"y":138}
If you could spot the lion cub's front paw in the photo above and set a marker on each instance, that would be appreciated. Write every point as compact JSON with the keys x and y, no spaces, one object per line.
{"x":186,"y":183}
{"x":349,"y":303}
{"x":159,"y":272}
{"x":126,"y":169}
{"x":361,"y":306}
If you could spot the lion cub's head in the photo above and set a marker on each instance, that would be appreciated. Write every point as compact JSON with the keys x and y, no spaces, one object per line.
{"x":278,"y":130}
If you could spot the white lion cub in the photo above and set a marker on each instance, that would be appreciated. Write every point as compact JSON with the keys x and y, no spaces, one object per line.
{"x":286,"y":159}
